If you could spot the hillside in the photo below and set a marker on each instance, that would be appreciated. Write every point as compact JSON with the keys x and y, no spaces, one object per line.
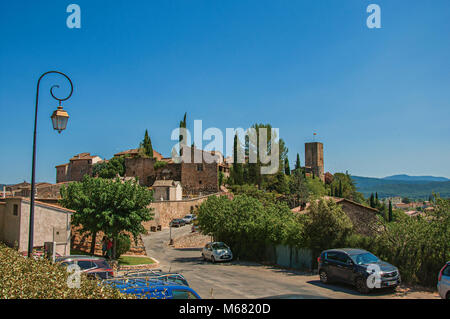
{"x":412,"y":188}
{"x":408,"y":178}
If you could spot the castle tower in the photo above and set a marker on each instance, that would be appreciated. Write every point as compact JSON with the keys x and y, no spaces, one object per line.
{"x":314,"y":159}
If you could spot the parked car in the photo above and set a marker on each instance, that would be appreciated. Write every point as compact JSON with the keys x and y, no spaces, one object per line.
{"x":443,"y":285}
{"x":152,"y":288}
{"x":189,"y":218}
{"x":217,"y":251}
{"x":94,"y":266}
{"x":178,"y":222}
{"x":175,"y":278}
{"x":354,"y":266}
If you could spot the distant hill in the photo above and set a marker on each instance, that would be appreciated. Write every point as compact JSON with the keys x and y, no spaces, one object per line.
{"x":408,"y":178}
{"x":414,"y":187}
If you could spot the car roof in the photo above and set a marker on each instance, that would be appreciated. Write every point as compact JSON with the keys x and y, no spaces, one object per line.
{"x":79,"y":257}
{"x":349,"y":251}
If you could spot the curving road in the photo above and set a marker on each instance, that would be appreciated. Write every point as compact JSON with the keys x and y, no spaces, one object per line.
{"x":241,"y":280}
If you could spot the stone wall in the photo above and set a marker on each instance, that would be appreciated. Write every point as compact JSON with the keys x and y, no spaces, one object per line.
{"x":79,"y":168}
{"x":83,"y":242}
{"x":198,"y":178}
{"x":165,"y":211}
{"x":364,"y":219}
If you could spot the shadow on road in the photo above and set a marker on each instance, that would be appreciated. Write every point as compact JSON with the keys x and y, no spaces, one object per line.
{"x":188,"y":249}
{"x":342,"y":287}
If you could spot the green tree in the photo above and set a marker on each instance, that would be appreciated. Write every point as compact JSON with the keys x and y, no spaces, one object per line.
{"x":297,"y":162}
{"x":287,"y":169}
{"x":180,"y":138}
{"x":372,"y":201}
{"x":108,"y":205}
{"x":326,"y":226}
{"x":109,"y":169}
{"x":237,"y":172}
{"x":390,"y":212}
{"x":298,"y":190}
{"x":146,"y":145}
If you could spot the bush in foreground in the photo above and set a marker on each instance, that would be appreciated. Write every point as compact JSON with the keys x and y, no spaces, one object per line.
{"x":27,"y":278}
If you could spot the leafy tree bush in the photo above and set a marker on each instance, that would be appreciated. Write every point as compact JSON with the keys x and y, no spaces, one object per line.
{"x":159,"y":164}
{"x":123,"y":244}
{"x":110,"y":169}
{"x":108,"y":205}
{"x":326,"y":226}
{"x":27,"y":278}
{"x":418,"y":246}
{"x":248,"y":226}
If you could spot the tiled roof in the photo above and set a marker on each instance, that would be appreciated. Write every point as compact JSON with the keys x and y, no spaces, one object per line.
{"x":82,"y":156}
{"x":163,"y":183}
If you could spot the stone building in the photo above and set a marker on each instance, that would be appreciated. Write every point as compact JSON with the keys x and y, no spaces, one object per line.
{"x":363,"y":218}
{"x":195,"y":178}
{"x":167,"y":190}
{"x":51,"y":223}
{"x":314,"y":160}
{"x":78,"y":166}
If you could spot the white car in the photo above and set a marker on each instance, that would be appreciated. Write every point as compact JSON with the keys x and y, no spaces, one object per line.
{"x":188,"y":218}
{"x":217,"y":251}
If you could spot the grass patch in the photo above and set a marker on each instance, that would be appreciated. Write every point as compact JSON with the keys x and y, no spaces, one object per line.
{"x":135,"y":260}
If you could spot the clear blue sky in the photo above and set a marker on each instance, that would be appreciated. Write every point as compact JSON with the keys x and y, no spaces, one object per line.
{"x":378,"y":99}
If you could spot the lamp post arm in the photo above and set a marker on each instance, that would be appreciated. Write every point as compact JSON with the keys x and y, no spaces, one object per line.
{"x":33,"y":167}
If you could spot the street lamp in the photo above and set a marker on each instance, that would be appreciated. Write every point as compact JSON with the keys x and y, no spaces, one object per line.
{"x":59,"y":120}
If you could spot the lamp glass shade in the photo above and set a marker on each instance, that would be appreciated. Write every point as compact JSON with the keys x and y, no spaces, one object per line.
{"x":59,"y":119}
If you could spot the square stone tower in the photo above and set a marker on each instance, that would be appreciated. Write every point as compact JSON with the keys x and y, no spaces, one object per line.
{"x":314,"y":159}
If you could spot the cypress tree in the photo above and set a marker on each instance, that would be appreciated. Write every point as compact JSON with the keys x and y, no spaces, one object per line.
{"x":180,"y":138}
{"x":297,"y":162}
{"x":287,"y":169}
{"x":390,"y":211}
{"x":372,"y":201}
{"x":340,"y":188}
{"x":238,"y":173}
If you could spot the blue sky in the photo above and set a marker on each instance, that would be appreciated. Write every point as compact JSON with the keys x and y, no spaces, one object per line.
{"x":378,"y":99}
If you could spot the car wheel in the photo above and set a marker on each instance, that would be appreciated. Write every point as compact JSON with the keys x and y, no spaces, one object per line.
{"x":324,"y":277}
{"x":203,"y":256}
{"x":361,"y":286}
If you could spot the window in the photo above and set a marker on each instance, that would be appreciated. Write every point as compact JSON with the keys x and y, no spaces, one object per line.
{"x":183,"y":294}
{"x":446,"y":271}
{"x":199,"y":167}
{"x":16,"y":210}
{"x":332,"y":255}
{"x":200,"y":182}
{"x":85,"y":264}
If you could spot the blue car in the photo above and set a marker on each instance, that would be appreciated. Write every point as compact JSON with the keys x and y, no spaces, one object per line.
{"x":152,"y":288}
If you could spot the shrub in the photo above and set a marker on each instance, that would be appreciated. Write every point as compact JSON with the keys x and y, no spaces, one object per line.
{"x":123,"y":244}
{"x":27,"y":278}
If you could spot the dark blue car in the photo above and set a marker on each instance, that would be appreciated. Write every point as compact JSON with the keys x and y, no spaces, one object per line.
{"x":152,"y":288}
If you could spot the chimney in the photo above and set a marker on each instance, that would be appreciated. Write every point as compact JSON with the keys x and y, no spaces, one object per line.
{"x":4,"y":191}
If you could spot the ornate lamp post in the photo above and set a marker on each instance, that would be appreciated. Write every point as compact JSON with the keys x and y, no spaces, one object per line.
{"x":59,"y":120}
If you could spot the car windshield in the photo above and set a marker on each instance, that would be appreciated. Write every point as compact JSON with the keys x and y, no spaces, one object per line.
{"x":365,"y":258}
{"x":219,"y":246}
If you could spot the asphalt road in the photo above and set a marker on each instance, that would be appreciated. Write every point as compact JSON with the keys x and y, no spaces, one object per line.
{"x":241,"y":280}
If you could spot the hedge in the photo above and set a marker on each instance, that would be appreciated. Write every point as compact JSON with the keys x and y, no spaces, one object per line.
{"x":28,"y":278}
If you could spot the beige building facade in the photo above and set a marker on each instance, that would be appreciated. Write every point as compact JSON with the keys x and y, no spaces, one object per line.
{"x":51,"y":223}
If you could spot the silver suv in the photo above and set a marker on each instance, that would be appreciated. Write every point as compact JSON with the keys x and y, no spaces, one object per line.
{"x":443,"y":285}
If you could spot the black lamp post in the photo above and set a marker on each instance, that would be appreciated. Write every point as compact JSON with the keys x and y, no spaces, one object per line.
{"x":59,"y":120}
